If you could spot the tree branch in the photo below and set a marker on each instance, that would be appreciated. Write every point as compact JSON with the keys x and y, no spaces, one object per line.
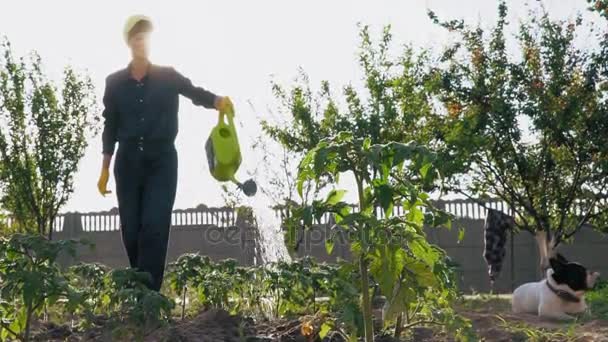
{"x":413,"y":324}
{"x":514,"y":197}
{"x":570,"y":199}
{"x":586,"y":219}
{"x":523,"y":178}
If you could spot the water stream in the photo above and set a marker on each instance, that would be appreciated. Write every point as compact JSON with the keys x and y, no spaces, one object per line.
{"x":268,"y":222}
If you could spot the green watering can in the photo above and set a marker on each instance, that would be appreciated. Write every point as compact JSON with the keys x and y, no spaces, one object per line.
{"x":224,"y":154}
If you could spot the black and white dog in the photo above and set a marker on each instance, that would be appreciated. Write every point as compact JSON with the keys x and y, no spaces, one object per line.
{"x":560,"y":294}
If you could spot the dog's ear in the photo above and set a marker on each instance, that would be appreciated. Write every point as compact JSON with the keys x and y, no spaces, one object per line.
{"x":556,"y":264}
{"x":561,"y":258}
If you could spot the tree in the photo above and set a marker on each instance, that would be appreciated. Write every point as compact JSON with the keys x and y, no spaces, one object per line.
{"x":43,"y":135}
{"x":393,"y":108}
{"x":366,"y":140}
{"x":528,"y":129}
{"x":600,"y":6}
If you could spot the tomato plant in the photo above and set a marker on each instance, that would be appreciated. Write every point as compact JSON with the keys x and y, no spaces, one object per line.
{"x":128,"y":300}
{"x":92,"y":278}
{"x":391,"y":252}
{"x":30,"y":279}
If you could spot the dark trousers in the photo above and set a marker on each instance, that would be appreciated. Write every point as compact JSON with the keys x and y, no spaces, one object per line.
{"x":146,"y":182}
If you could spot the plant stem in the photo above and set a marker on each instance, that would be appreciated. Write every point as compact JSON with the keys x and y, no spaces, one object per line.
{"x":399,"y":326}
{"x":367,"y":305}
{"x":278,"y":304}
{"x":28,"y":319}
{"x":408,"y":326}
{"x":367,"y":310}
{"x":184,"y":303}
{"x":314,"y":300}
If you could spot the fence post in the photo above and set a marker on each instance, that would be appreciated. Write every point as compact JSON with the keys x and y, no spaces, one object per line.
{"x":72,"y":227}
{"x":249,"y":242}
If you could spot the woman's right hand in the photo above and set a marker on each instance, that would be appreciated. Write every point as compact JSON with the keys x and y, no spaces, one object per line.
{"x":102,"y":183}
{"x":224,"y":105}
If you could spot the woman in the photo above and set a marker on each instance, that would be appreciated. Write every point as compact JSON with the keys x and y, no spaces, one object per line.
{"x":140,"y":113}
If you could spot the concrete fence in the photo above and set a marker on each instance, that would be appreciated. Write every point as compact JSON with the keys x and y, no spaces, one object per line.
{"x":222,"y":233}
{"x":217,"y":232}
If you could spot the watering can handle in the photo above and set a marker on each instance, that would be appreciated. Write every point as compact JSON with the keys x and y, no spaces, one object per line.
{"x":230,"y":116}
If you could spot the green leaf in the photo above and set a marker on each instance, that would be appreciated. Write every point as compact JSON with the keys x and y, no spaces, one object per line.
{"x":385,"y":197}
{"x":415,"y":215}
{"x":321,"y":162}
{"x":401,"y":152}
{"x":300,"y":184}
{"x":344,"y":136}
{"x":367,"y":143}
{"x":325,"y":329}
{"x":329,"y":245}
{"x":386,"y":264}
{"x":425,"y":169}
{"x":335,"y":196}
{"x":307,"y":216}
{"x":3,"y":334}
{"x":344,"y":211}
{"x":18,"y":325}
{"x":304,"y":171}
{"x":356,"y":247}
{"x":400,"y":302}
{"x":367,"y":204}
{"x":291,"y":236}
{"x":423,"y":274}
{"x":460,"y":235}
{"x":424,"y":251}
{"x":32,"y":285}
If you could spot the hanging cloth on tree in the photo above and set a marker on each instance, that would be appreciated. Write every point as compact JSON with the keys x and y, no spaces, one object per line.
{"x":495,"y":232}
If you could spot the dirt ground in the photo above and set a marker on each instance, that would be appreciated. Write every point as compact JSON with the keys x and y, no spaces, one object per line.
{"x":491,"y":319}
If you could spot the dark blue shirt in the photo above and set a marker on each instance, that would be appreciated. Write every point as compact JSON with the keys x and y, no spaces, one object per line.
{"x":146,"y":110}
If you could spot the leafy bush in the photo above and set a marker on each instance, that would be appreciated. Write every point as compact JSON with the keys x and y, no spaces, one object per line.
{"x":292,"y":287}
{"x":129,"y":299}
{"x":598,"y":301}
{"x":391,"y":252}
{"x":121,"y":295}
{"x":92,"y":278}
{"x":219,"y":285}
{"x":30,"y":279}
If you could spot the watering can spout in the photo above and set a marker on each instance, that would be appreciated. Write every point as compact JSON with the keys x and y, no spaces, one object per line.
{"x":249,"y":187}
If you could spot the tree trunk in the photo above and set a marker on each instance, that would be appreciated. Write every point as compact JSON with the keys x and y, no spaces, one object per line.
{"x":546,"y":250}
{"x":51,"y":232}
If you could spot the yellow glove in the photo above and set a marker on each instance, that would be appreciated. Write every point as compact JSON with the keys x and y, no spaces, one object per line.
{"x":102,"y":183}
{"x":225,"y":105}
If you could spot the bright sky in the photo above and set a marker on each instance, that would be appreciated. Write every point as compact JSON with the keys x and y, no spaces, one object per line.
{"x":231,"y":48}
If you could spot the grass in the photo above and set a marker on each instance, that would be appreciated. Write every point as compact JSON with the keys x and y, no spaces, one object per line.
{"x":598,"y":301}
{"x":485,"y":302}
{"x":524,"y":332}
{"x":499,"y":307}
